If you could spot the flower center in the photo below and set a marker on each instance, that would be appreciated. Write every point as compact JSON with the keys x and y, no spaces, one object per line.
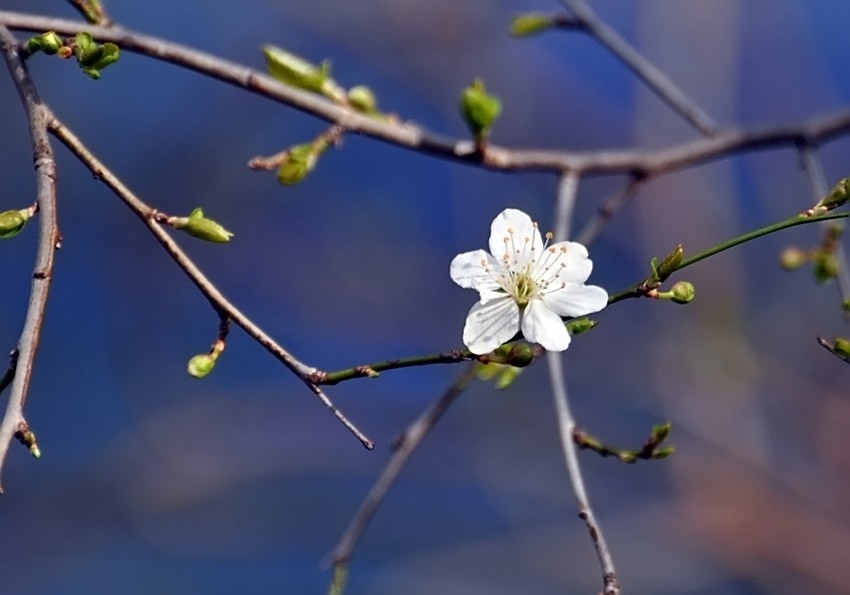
{"x":527,"y":273}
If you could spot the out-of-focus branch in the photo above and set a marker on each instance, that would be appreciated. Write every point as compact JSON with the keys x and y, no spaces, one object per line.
{"x":645,"y":70}
{"x":633,"y":161}
{"x":223,"y":307}
{"x":564,"y":206}
{"x":13,"y":421}
{"x":405,"y":446}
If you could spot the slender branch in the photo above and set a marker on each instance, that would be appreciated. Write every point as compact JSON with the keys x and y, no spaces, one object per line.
{"x":219,"y":302}
{"x":564,"y":205}
{"x":631,"y":161}
{"x":608,"y":208}
{"x":639,"y":289}
{"x":48,"y":237}
{"x":813,"y":166}
{"x":9,"y":374}
{"x":405,"y":446}
{"x":372,"y":370}
{"x":651,"y":75}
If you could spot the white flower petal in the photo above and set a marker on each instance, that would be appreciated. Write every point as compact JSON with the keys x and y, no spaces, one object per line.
{"x":490,"y":324}
{"x":472,"y":268}
{"x":576,"y":300}
{"x":541,"y":325}
{"x":523,"y":238}
{"x":570,"y":265}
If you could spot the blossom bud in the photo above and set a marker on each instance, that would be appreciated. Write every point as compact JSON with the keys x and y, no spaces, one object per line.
{"x":49,"y":43}
{"x":660,"y":432}
{"x":579,"y":326}
{"x":841,"y":347}
{"x":682,"y":292}
{"x":198,"y":226}
{"x":12,"y":222}
{"x":523,"y":25}
{"x":520,"y":355}
{"x":300,"y":161}
{"x":792,"y":258}
{"x":839,"y":195}
{"x":298,"y":72}
{"x":479,"y":110}
{"x":201,"y":365}
{"x":363,"y":100}
{"x":825,"y":266}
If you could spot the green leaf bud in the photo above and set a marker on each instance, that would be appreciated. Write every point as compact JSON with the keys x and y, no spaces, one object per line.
{"x":298,"y":72}
{"x":198,"y":226}
{"x":49,"y":43}
{"x":627,"y":457}
{"x":478,"y":109}
{"x":837,"y":197}
{"x":298,"y":163}
{"x":663,"y":453}
{"x":825,"y":266}
{"x":792,"y":258}
{"x":841,"y":346}
{"x":523,"y":25}
{"x":363,"y":100}
{"x":84,"y":44}
{"x":670,"y":263}
{"x":660,"y":433}
{"x":579,"y":326}
{"x":12,"y":222}
{"x":682,"y":292}
{"x":200,"y":365}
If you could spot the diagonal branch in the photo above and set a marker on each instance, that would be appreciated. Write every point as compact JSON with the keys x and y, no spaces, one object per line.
{"x":222,"y":306}
{"x":13,"y":420}
{"x":649,"y":73}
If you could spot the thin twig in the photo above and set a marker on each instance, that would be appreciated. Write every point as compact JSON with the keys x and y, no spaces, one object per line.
{"x":813,"y":166}
{"x":9,"y":374}
{"x":607,"y":209}
{"x":651,"y":75}
{"x":219,"y":302}
{"x":48,"y":237}
{"x":630,"y":161}
{"x":565,"y":204}
{"x":405,"y":446}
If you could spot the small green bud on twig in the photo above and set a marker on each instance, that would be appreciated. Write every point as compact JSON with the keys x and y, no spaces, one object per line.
{"x":841,"y":347}
{"x":201,"y":365}
{"x":12,"y":222}
{"x":298,"y":72}
{"x":579,"y":326}
{"x":479,"y":110}
{"x":49,"y":43}
{"x":825,"y":266}
{"x":681,"y":293}
{"x":92,"y":11}
{"x":363,"y":100}
{"x":529,"y":23}
{"x":198,"y":226}
{"x":792,"y":258}
{"x":836,"y":197}
{"x":93,"y":57}
{"x":300,"y":160}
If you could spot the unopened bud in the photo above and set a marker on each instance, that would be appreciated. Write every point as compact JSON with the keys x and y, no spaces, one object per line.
{"x":298,"y":72}
{"x":839,"y":195}
{"x":530,"y":23}
{"x":363,"y":100}
{"x":670,"y":263}
{"x":479,"y":110}
{"x":627,"y":457}
{"x":520,"y":355}
{"x":300,"y":161}
{"x":841,"y":346}
{"x":579,"y":326}
{"x":12,"y":222}
{"x":49,"y":43}
{"x":201,"y":365}
{"x":660,"y":432}
{"x":825,"y":266}
{"x":682,"y":292}
{"x":663,"y":453}
{"x":198,"y":226}
{"x":792,"y":258}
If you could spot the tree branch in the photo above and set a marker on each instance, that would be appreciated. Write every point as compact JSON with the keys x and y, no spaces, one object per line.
{"x":13,"y":420}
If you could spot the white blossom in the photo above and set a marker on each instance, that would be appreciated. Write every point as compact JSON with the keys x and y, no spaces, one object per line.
{"x":524,"y":284}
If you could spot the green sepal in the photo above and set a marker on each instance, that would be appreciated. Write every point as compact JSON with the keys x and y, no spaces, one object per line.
{"x":200,"y":365}
{"x":523,"y":25}
{"x":198,"y":226}
{"x":478,"y":109}
{"x":298,"y":72}
{"x":12,"y":222}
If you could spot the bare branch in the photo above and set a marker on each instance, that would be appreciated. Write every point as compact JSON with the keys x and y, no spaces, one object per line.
{"x":657,"y":81}
{"x":48,"y":239}
{"x":631,"y":161}
{"x":406,"y":444}
{"x":222,"y":306}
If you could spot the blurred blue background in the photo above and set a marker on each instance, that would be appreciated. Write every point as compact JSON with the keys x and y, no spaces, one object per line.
{"x":152,"y":482}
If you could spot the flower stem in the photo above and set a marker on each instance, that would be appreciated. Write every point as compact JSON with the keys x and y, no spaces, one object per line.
{"x":637,"y":289}
{"x":372,"y":370}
